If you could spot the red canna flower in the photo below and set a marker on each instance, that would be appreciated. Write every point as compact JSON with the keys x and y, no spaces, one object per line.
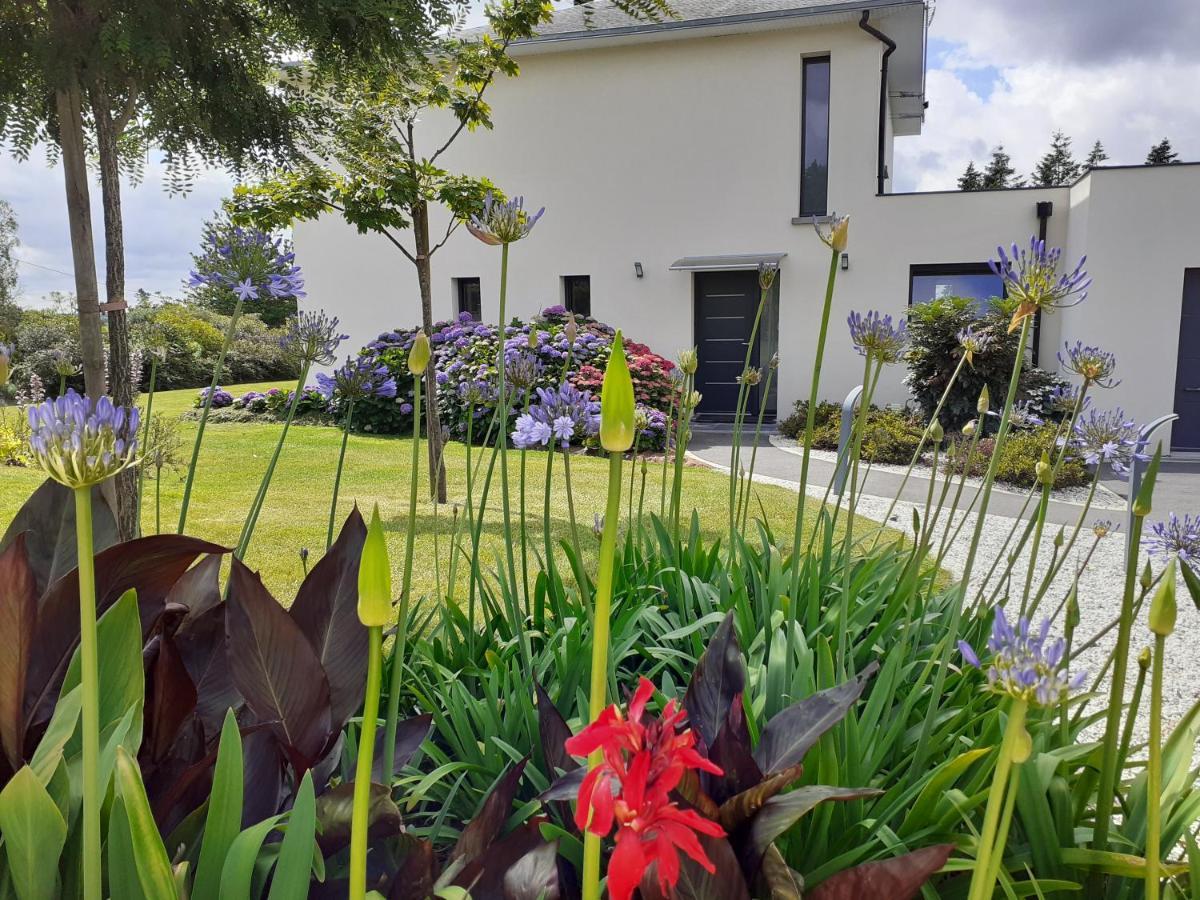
{"x":642,"y":764}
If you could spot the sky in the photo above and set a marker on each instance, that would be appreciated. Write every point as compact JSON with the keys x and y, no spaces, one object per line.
{"x":1000,"y":71}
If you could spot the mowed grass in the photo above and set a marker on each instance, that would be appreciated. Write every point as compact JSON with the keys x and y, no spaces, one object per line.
{"x":377,"y":470}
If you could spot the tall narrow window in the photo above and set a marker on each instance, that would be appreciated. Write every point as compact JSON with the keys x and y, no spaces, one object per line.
{"x":577,"y":294}
{"x":469,"y":297}
{"x":814,"y":138}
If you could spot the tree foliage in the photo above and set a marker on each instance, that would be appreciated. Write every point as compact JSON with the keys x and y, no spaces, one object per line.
{"x":1162,"y":154}
{"x":1096,"y":155}
{"x":1000,"y":172}
{"x":971,"y":179}
{"x":1057,"y":166}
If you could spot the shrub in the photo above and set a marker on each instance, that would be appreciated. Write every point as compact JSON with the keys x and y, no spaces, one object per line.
{"x":891,"y":435}
{"x":1018,"y":456}
{"x":934,"y":353}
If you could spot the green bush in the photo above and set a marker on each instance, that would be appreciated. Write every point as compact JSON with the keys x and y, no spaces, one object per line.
{"x":1020,"y":453}
{"x":891,"y":435}
{"x":934,"y":353}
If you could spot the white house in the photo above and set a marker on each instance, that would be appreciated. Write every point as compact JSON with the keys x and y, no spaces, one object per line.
{"x":673,"y":157}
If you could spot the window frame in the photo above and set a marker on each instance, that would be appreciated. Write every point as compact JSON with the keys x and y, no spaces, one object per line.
{"x":924,"y":270}
{"x":459,"y":284}
{"x":567,"y":282}
{"x":826,"y":60}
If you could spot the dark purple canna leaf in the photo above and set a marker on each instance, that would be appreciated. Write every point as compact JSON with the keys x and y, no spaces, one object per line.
{"x":48,"y":518}
{"x":18,"y":621}
{"x":198,"y":589}
{"x":410,"y":735}
{"x":565,"y":787}
{"x":553,"y":730}
{"x":783,"y":811}
{"x":792,"y":732}
{"x":534,"y":876}
{"x":276,"y":670}
{"x":720,"y":677}
{"x":899,"y":878}
{"x":326,"y":611}
{"x":413,"y":879}
{"x":263,"y":774}
{"x":483,"y":830}
{"x":335,"y":810}
{"x":170,"y":700}
{"x":732,"y":752}
{"x":697,"y":883}
{"x":201,"y":644}
{"x":742,"y":807}
{"x":149,"y":565}
{"x":777,"y":877}
{"x":484,"y":876}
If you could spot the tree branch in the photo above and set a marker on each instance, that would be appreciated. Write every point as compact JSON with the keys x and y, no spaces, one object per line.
{"x":450,"y":229}
{"x":462,"y":122}
{"x":399,"y":246}
{"x":121,"y":120}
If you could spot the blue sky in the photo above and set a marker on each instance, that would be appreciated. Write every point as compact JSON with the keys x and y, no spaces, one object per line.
{"x":1000,"y":71}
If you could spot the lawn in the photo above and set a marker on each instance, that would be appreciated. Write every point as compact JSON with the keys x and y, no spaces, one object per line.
{"x":377,"y":471}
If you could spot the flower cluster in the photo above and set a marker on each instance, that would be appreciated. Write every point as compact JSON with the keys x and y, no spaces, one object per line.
{"x":254,"y":401}
{"x":1024,"y":414}
{"x":79,"y":441}
{"x":973,"y":340}
{"x":251,"y":264}
{"x":63,"y":363}
{"x":643,"y":763}
{"x":1176,"y":537}
{"x":359,"y":378}
{"x":1106,"y":437}
{"x":220,"y":398}
{"x":503,"y":223}
{"x":1032,"y":279}
{"x":1023,"y":664}
{"x":1063,"y":398}
{"x":312,"y":338}
{"x":877,"y":336}
{"x":565,"y":416}
{"x":1093,"y":365}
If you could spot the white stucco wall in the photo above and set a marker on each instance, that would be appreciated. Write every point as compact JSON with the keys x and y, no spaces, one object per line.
{"x":656,"y":151}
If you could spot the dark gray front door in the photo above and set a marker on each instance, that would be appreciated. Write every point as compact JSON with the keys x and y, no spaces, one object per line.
{"x":1185,"y":433}
{"x":725,"y":307}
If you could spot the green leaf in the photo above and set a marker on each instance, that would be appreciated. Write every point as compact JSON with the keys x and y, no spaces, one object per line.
{"x":1123,"y":864}
{"x":238,"y":873}
{"x":1192,"y":580}
{"x":122,"y":867}
{"x":153,"y":866}
{"x":224,"y":819}
{"x":292,"y":872}
{"x":34,"y":834}
{"x":782,"y":811}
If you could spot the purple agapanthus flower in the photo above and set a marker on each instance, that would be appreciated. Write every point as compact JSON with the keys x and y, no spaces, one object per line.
{"x":1093,"y":365}
{"x":1176,"y":537}
{"x":521,"y":370}
{"x":358,"y":378}
{"x":503,"y":223}
{"x":566,"y":415}
{"x":973,"y":340}
{"x":1024,"y":663}
{"x":247,"y":263}
{"x":1063,"y":399}
{"x":312,"y":338}
{"x":877,"y":336}
{"x":1031,"y":278}
{"x":1023,"y":415}
{"x":1106,"y":437}
{"x":79,"y":441}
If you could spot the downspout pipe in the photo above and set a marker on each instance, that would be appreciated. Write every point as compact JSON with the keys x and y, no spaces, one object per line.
{"x":1045,"y":209}
{"x":889,"y":48}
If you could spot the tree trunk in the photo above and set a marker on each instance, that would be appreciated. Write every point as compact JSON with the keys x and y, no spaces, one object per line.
{"x":120,"y":376}
{"x":433,"y":424}
{"x":68,"y":100}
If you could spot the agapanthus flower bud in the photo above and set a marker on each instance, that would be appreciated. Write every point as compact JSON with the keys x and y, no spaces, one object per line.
{"x":532,"y":340}
{"x":936,"y":433}
{"x":837,"y":236}
{"x":64,"y":365}
{"x":688,"y":361}
{"x":1147,"y":577}
{"x":1059,"y":537}
{"x":374,"y":577}
{"x":1163,"y":609}
{"x":1042,"y":469}
{"x":766,"y":275}
{"x":80,"y":442}
{"x":616,"y":401}
{"x":1072,"y":612}
{"x":693,"y":399}
{"x":571,"y":330}
{"x":968,"y":430}
{"x":1144,"y":659}
{"x":418,"y":354}
{"x":984,"y":402}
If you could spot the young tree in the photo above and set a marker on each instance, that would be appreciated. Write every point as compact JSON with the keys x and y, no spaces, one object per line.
{"x":1096,"y":155}
{"x":381,"y":179}
{"x":1057,"y":166}
{"x":1161,"y":154}
{"x":999,"y":172}
{"x":971,"y":179}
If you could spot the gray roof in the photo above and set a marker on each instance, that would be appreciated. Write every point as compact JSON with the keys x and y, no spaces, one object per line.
{"x":601,"y":18}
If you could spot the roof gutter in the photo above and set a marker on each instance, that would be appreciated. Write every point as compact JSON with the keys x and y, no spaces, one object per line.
{"x":889,"y":49}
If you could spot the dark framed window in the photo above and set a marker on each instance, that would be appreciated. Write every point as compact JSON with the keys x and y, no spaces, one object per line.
{"x":814,"y":138}
{"x":974,"y":280}
{"x":469,"y":297}
{"x":577,"y":294}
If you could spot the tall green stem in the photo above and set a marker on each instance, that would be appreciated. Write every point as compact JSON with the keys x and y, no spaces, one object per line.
{"x":89,"y":679}
{"x":739,"y":416}
{"x":360,"y":820}
{"x":337,"y":479}
{"x":598,"y":685}
{"x":146,"y":438}
{"x":981,"y":887}
{"x":398,"y":649}
{"x":1154,"y":772}
{"x":261,"y":497}
{"x":212,"y":389}
{"x":762,"y":409}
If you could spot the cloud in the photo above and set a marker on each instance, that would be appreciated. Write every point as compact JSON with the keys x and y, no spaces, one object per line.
{"x":1112,"y":72}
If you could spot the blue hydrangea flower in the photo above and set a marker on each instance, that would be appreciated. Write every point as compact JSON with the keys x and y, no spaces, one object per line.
{"x":876,"y":335}
{"x":1093,"y":365}
{"x":79,"y":441}
{"x":1106,"y":437}
{"x":1024,"y":663}
{"x":1176,"y":537}
{"x":312,"y":338}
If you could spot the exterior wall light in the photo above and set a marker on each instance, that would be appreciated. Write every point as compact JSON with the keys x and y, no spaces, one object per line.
{"x":845,"y":261}
{"x":637,"y":269}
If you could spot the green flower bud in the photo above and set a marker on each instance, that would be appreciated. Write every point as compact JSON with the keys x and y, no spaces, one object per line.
{"x":418,"y":355}
{"x":1042,"y":469}
{"x":1162,"y":607}
{"x":688,"y":361}
{"x":1144,"y":659}
{"x":936,"y":432}
{"x":572,"y":330}
{"x":1059,"y":538}
{"x":693,"y":399}
{"x":985,"y":401}
{"x":968,"y":430}
{"x":532,"y":340}
{"x":1022,"y":746}
{"x":374,"y":577}
{"x":1147,"y":578}
{"x":616,"y":401}
{"x":1072,"y":619}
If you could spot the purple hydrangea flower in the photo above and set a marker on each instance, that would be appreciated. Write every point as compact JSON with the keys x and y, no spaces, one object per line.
{"x":79,"y":441}
{"x":1093,"y":365}
{"x":876,"y":335}
{"x":1106,"y":437}
{"x":1176,"y":537}
{"x":220,"y":397}
{"x":1024,"y":664}
{"x":406,"y":408}
{"x":312,"y":338}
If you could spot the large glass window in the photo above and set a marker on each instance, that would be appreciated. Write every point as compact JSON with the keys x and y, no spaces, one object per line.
{"x":577,"y":294}
{"x":814,"y":139}
{"x":974,"y":280}
{"x":469,"y":297}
